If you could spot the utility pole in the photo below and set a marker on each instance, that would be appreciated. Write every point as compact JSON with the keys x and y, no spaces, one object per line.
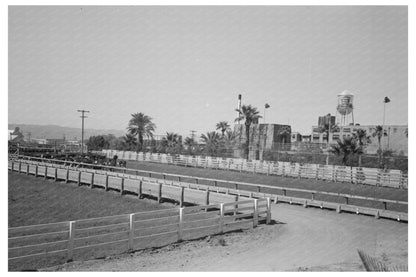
{"x":82,"y":132}
{"x":193,"y":134}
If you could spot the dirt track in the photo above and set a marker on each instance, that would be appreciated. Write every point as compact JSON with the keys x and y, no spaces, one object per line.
{"x":302,"y":239}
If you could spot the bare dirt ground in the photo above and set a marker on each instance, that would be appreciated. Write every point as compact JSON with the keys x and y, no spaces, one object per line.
{"x":300,"y":240}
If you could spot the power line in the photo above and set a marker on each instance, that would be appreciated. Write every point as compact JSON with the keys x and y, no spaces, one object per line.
{"x":82,"y":132}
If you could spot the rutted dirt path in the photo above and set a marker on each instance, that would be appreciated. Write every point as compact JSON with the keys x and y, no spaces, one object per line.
{"x":301,"y":239}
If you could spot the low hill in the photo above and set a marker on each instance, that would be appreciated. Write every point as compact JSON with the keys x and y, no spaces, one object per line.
{"x":56,"y":132}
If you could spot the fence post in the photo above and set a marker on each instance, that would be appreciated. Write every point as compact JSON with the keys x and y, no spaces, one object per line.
{"x":182,"y":196}
{"x":215,"y":183}
{"x":106,"y":182}
{"x":196,"y":180}
{"x":12,"y":166}
{"x":56,"y":174}
{"x":71,"y":240}
{"x":67,"y":176}
{"x":46,"y":172}
{"x":346,"y":200}
{"x":36,"y":170}
{"x":313,"y":196}
{"x":122,"y":186}
{"x":20,"y":167}
{"x":236,"y":205}
{"x":236,"y":186}
{"x":207,"y":197}
{"x":269,"y":211}
{"x":131,"y":232}
{"x":159,"y":195}
{"x":385,"y":205}
{"x":180,"y":225}
{"x":221,"y":218}
{"x":140,"y":192}
{"x":79,"y":178}
{"x":92,"y":180}
{"x":255,"y":213}
{"x":27,"y":169}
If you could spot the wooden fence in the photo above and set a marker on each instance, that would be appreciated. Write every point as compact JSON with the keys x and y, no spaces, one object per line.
{"x":198,"y":193}
{"x":46,"y":244}
{"x":372,"y":264}
{"x":358,"y":175}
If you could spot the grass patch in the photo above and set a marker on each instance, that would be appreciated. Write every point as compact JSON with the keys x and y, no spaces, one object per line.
{"x":37,"y":201}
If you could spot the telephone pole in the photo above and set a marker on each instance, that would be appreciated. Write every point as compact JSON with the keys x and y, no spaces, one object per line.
{"x":82,"y":132}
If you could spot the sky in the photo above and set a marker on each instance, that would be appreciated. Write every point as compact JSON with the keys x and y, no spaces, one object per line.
{"x":185,"y":66}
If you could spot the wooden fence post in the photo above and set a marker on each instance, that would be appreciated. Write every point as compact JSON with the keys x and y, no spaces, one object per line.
{"x":236,"y":205}
{"x":207,"y":197}
{"x":180,"y":225}
{"x":106,"y":182}
{"x":36,"y":170}
{"x":221,"y":218}
{"x":92,"y":180}
{"x":284,"y":192}
{"x":313,"y":196}
{"x":181,"y":200}
{"x":56,"y":174}
{"x":196,"y":180}
{"x":131,"y":232}
{"x":46,"y":173}
{"x":346,"y":200}
{"x":71,"y":240}
{"x":20,"y":167}
{"x":269,"y":211}
{"x":159,"y":194}
{"x":67,"y":176}
{"x":12,"y":166}
{"x":79,"y":178}
{"x":122,"y":186}
{"x":236,"y":186}
{"x":255,"y":213}
{"x":27,"y":169}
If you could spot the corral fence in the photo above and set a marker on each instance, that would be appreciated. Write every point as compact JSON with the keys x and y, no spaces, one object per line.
{"x":357,"y":175}
{"x":47,"y":244}
{"x":179,"y":188}
{"x":372,"y":264}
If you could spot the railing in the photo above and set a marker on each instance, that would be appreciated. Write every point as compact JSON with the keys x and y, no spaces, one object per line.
{"x":358,"y":175}
{"x":197,"y":193}
{"x":95,"y":237}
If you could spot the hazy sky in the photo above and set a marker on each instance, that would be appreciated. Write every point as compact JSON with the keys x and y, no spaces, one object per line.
{"x":185,"y":66}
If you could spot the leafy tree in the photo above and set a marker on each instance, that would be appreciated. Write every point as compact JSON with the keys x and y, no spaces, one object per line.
{"x":346,"y":148}
{"x":97,"y":143}
{"x":211,"y":141}
{"x":141,"y":125}
{"x":250,"y":115}
{"x":327,"y":128}
{"x":223,"y":127}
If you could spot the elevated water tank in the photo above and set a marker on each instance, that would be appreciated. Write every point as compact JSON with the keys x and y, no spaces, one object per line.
{"x":345,"y":100}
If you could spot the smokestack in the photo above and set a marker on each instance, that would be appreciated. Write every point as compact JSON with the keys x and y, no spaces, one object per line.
{"x":239,"y":106}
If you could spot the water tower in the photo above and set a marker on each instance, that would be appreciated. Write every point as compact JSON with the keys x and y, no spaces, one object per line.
{"x":345,"y":108}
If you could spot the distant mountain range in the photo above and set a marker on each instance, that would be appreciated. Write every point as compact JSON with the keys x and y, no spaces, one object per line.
{"x":56,"y":132}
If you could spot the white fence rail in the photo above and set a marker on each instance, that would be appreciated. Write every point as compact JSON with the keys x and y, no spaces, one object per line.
{"x":358,"y":175}
{"x":213,"y":191}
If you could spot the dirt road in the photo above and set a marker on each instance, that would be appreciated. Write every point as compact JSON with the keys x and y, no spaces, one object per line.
{"x":301,"y":239}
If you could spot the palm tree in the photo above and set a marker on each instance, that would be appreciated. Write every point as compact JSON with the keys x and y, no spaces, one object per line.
{"x":141,"y":125}
{"x":211,"y":141}
{"x":190,"y":143}
{"x":363,"y":140}
{"x":379,"y":133}
{"x":172,"y":142}
{"x":130,"y":141}
{"x":347,"y":147}
{"x":223,"y":126}
{"x":250,"y":115}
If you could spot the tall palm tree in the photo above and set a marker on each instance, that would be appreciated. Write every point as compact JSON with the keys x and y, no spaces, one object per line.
{"x":223,"y":126}
{"x":250,"y":115}
{"x":172,"y":141}
{"x":190,"y":143}
{"x":363,"y":140}
{"x":347,"y":147}
{"x":211,"y":141}
{"x":141,"y":125}
{"x":379,"y":133}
